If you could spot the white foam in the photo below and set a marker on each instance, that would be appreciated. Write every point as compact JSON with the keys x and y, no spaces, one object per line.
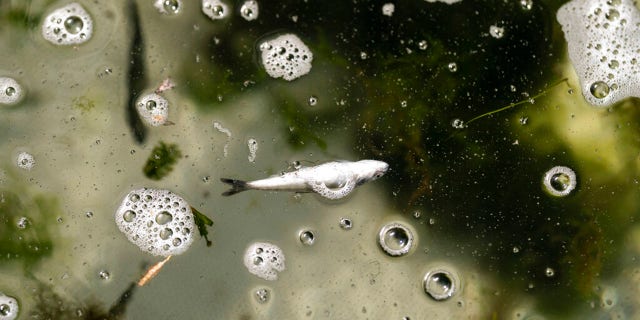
{"x":249,"y":10}
{"x":604,"y":40}
{"x":9,"y":307}
{"x":25,"y":161}
{"x":68,"y":25}
{"x":10,"y":91}
{"x":264,"y":260}
{"x":158,"y":221}
{"x":218,"y":126}
{"x":215,"y":9}
{"x":153,"y":109}
{"x":286,"y":57}
{"x":253,"y":148}
{"x":388,"y":9}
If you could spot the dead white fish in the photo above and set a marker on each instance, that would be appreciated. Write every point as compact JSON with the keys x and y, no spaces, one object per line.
{"x":332,"y":180}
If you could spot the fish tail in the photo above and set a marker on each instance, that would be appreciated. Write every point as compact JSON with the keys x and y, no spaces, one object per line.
{"x":236,"y":186}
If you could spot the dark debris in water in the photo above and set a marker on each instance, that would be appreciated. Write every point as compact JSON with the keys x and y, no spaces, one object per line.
{"x":202,"y":222}
{"x":160,"y":162}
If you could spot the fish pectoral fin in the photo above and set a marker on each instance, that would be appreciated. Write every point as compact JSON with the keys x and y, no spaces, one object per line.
{"x":321,"y":188}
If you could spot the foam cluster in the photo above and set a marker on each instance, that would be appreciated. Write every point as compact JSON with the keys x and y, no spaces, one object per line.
{"x":8,"y":307}
{"x":286,"y":57}
{"x":264,"y":260}
{"x":158,"y":221}
{"x":153,"y":109}
{"x":68,"y":25}
{"x":168,"y":7}
{"x":604,"y":40}
{"x":10,"y":91}
{"x":215,"y":9}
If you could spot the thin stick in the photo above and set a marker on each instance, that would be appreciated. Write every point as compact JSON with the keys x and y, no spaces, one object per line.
{"x":514,"y":104}
{"x":152,"y":272}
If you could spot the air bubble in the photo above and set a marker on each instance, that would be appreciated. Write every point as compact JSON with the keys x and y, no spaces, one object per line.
{"x":313,"y":100}
{"x":559,"y":181}
{"x":168,"y":7}
{"x":599,"y":89}
{"x":104,"y":275}
{"x":10,"y":91}
{"x":253,"y":149}
{"x":129,"y":216}
{"x":395,"y":239}
{"x":549,"y":272}
{"x":215,"y":9}
{"x":153,"y":109}
{"x":346,"y":223}
{"x":307,"y":237}
{"x":285,"y":56}
{"x":526,"y":4}
{"x":496,"y":32}
{"x":22,"y":223}
{"x":440,"y":284}
{"x":457,"y":123}
{"x":422,"y":45}
{"x":262,"y":295}
{"x":88,"y":214}
{"x":25,"y":161}
{"x":265,"y":260}
{"x":388,"y":9}
{"x":166,"y":233}
{"x":163,"y":218}
{"x":452,"y":66}
{"x":68,"y":25}
{"x":249,"y":10}
{"x":8,"y":307}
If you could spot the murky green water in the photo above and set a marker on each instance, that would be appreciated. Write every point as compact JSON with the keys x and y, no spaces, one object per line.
{"x":469,"y":230}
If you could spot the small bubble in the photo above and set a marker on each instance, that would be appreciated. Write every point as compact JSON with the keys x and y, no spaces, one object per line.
{"x":307,"y":237}
{"x":73,"y":24}
{"x":457,"y":123}
{"x":171,"y":6}
{"x":88,"y":214}
{"x":516,"y":249}
{"x":440,"y":284}
{"x":452,"y":66}
{"x":25,"y":161}
{"x":614,"y":64}
{"x":395,"y":239}
{"x":262,"y":295}
{"x":10,"y":91}
{"x":166,"y":233}
{"x":549,"y":272}
{"x":129,"y":216}
{"x":249,"y":10}
{"x":313,"y":100}
{"x":346,"y":223}
{"x":523,"y":120}
{"x":150,"y":105}
{"x":496,"y":32}
{"x":599,"y":89}
{"x":5,"y":310}
{"x":560,"y":181}
{"x":526,"y":4}
{"x":104,"y":275}
{"x":422,"y":45}
{"x":163,"y":217}
{"x":23,"y":222}
{"x":134,"y":197}
{"x":363,"y":55}
{"x":417,"y":214}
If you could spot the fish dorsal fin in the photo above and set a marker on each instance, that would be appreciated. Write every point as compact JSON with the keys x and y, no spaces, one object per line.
{"x":320,"y":188}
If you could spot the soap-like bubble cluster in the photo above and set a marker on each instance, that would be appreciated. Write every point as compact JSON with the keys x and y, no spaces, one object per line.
{"x":168,"y":7}
{"x":604,"y":40}
{"x":395,"y":239}
{"x":68,"y":25}
{"x":157,"y":221}
{"x":10,"y":91}
{"x":215,"y":9}
{"x":8,"y":307}
{"x":560,"y":181}
{"x":264,"y":260}
{"x":286,"y":57}
{"x":25,"y":161}
{"x":249,"y":10}
{"x":153,"y":109}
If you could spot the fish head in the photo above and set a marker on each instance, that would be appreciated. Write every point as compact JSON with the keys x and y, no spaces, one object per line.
{"x":368,"y":170}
